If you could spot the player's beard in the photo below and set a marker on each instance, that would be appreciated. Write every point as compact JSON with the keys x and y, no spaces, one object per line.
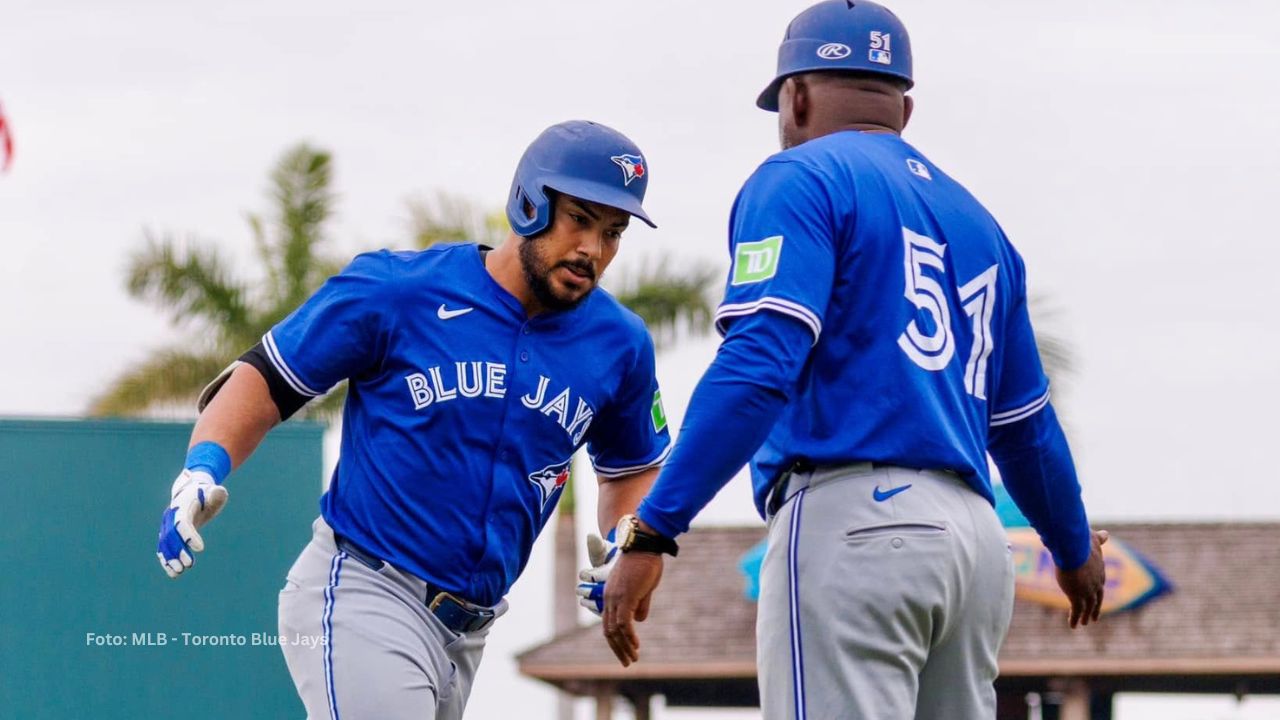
{"x":537,"y":273}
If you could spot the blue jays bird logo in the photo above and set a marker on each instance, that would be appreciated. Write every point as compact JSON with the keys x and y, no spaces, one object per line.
{"x":550,"y":480}
{"x":632,"y":167}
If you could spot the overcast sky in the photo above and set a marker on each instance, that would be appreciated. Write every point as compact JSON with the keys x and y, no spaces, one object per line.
{"x":1129,"y":149}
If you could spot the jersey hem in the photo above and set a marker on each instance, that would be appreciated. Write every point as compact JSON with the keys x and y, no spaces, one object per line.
{"x":611,"y":472}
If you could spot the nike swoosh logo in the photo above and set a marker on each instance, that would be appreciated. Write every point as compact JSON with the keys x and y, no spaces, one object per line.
{"x":882,"y":495}
{"x":446,"y":314}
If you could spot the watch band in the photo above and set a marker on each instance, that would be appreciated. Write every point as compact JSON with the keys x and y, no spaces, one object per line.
{"x":631,"y":538}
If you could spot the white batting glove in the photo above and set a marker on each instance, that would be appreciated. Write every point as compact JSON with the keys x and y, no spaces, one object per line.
{"x":196,"y":499}
{"x":603,"y":553}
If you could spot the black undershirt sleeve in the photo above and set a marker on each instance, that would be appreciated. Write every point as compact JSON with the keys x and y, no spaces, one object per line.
{"x":288,"y":401}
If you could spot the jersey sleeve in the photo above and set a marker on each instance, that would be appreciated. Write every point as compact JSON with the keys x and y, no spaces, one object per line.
{"x":1022,"y":388}
{"x":631,"y":434}
{"x":339,"y":332}
{"x":783,"y":245}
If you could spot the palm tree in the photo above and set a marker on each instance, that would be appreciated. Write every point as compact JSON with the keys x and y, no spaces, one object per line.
{"x":672,"y":303}
{"x":445,"y":218}
{"x":227,"y":313}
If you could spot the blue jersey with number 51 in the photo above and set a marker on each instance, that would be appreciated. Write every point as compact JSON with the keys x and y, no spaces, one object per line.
{"x":916,"y":301}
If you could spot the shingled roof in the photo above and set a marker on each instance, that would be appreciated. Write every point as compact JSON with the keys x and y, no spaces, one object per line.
{"x":1222,"y":618}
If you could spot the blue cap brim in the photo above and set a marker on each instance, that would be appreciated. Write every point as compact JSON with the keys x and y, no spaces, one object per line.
{"x":614,"y":197}
{"x":768,"y":99}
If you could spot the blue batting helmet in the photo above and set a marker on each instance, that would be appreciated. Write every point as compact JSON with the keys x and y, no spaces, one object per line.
{"x":841,"y":35}
{"x":584,"y":159}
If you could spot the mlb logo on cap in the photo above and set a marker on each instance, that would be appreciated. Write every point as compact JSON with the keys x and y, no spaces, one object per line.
{"x":880,"y":56}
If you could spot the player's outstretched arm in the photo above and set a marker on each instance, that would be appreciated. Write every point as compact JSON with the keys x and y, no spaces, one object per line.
{"x":627,"y":596}
{"x":229,"y":429}
{"x":618,"y":497}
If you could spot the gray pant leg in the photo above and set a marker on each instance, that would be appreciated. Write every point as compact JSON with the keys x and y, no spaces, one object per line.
{"x":957,"y":681}
{"x":776,"y":671}
{"x":464,"y":653}
{"x":856,"y":594}
{"x":379,"y":654}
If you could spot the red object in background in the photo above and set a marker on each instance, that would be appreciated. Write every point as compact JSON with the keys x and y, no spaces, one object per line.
{"x":6,"y":142}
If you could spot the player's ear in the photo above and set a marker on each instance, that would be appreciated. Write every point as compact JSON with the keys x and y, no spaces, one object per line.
{"x":908,"y":104}
{"x":800,"y":100}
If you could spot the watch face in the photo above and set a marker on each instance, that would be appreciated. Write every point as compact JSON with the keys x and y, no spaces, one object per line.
{"x":626,"y":531}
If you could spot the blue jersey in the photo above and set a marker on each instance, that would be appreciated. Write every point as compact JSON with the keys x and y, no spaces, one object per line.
{"x":462,"y":412}
{"x":915,"y":300}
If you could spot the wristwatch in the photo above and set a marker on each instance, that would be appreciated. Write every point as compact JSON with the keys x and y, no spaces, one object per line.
{"x":631,"y":539}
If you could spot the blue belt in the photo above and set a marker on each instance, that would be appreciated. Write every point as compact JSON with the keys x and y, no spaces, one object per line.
{"x":456,"y":613}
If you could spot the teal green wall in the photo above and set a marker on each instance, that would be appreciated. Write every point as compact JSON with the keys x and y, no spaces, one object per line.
{"x":80,"y":505}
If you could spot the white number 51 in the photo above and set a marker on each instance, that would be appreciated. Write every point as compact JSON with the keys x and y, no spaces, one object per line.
{"x":933,"y":351}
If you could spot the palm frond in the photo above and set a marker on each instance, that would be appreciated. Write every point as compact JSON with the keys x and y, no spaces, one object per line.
{"x":445,"y":218}
{"x":266,"y":255}
{"x":300,"y":187}
{"x":168,"y":377}
{"x":191,"y":283}
{"x":267,"y":314}
{"x":671,"y":302}
{"x":194,"y":284}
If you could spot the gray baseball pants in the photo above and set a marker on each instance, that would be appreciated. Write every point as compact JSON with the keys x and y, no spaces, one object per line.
{"x":885,"y":595}
{"x":360,"y":643}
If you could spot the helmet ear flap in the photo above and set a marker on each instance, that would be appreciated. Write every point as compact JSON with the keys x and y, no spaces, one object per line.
{"x":523,"y":197}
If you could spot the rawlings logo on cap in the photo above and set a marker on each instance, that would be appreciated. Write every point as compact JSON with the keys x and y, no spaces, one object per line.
{"x":834,"y":51}
{"x":632,"y":167}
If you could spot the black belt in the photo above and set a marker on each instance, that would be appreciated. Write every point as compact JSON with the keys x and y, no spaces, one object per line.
{"x":778,"y":495}
{"x":456,"y":613}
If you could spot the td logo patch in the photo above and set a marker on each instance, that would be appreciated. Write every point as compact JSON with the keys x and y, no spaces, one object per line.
{"x":656,"y":412}
{"x":755,"y":262}
{"x":550,"y":480}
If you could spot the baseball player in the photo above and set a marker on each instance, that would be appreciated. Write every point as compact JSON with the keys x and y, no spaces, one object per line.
{"x":876,"y":347}
{"x":475,"y":374}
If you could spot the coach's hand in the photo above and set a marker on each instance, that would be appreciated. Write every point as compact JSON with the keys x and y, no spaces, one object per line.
{"x":1084,"y":585}
{"x":626,"y":601}
{"x":602,"y":552}
{"x":196,"y":499}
